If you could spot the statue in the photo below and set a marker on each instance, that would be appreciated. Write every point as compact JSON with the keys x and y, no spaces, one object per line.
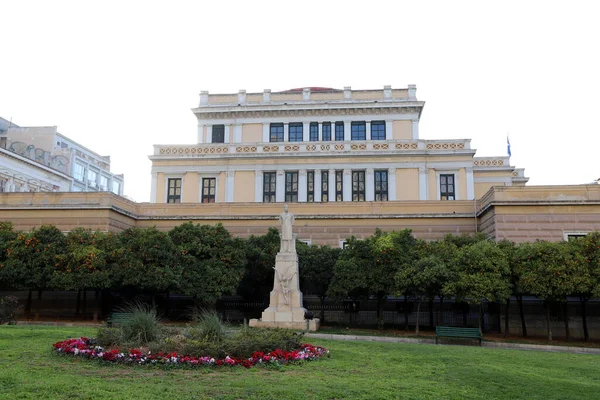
{"x":286,"y":219}
{"x":284,"y":282}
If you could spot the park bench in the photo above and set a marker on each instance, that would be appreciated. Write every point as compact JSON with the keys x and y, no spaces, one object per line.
{"x":118,"y":318}
{"x":454,"y":332}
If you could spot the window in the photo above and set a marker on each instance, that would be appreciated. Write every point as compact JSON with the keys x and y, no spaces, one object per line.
{"x":574,"y":235}
{"x":358,"y":185}
{"x":339,"y":131}
{"x":306,"y":241}
{"x":291,"y":187}
{"x":218,"y":134}
{"x":343,"y":243}
{"x":117,"y":187}
{"x":359,"y":131}
{"x":378,"y":130}
{"x":326,"y":131}
{"x":269,"y":185}
{"x":324,"y":186}
{"x":79,"y":171}
{"x":276,"y":133}
{"x":381,"y":185}
{"x":339,"y":185}
{"x":92,"y":176}
{"x":295,"y":132}
{"x":103,"y":182}
{"x":447,"y":187}
{"x":310,"y":186}
{"x":174,"y":193}
{"x":314,"y":132}
{"x":209,"y":188}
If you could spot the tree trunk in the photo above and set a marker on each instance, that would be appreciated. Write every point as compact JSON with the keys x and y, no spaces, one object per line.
{"x":418,"y":314}
{"x":96,"y":296}
{"x":39,"y":305}
{"x":522,"y":314}
{"x":506,"y":318}
{"x":84,"y":302}
{"x":441,"y":312}
{"x":586,"y":336}
{"x":167,"y":305}
{"x":480,"y":315}
{"x":431,"y":312}
{"x":406,"y":313}
{"x":465,"y":311}
{"x":78,"y":305}
{"x":380,"y":303}
{"x":566,"y":317}
{"x":28,"y":304}
{"x":322,"y":301}
{"x":548,"y":322}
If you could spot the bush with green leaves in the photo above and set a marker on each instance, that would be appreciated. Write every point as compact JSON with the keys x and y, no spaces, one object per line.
{"x":8,"y":308}
{"x":141,"y":328}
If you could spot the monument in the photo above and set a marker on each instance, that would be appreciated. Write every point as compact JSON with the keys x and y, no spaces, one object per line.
{"x":285,"y":306}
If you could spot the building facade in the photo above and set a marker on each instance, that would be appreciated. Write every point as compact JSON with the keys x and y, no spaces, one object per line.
{"x":67,"y":165}
{"x":320,"y":145}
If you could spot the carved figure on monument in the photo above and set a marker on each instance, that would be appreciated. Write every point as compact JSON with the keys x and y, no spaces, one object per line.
{"x":284,"y":282}
{"x":286,"y":219}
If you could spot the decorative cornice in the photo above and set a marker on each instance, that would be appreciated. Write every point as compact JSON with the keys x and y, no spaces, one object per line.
{"x":291,"y":113}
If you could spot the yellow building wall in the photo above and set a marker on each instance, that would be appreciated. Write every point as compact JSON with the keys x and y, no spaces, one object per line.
{"x":402,"y":130}
{"x":407,"y":184}
{"x":481,"y":188}
{"x":244,"y":186}
{"x":252,"y":133}
{"x":191,"y":189}
{"x":160,"y":188}
{"x":432,"y":181}
{"x":462,"y":184}
{"x":221,"y":185}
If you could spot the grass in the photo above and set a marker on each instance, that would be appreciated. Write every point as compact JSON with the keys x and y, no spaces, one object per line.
{"x":357,"y":370}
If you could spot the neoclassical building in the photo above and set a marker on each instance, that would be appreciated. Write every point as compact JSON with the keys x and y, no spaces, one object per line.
{"x":320,"y":145}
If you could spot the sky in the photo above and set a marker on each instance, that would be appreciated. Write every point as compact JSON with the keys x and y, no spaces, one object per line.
{"x":120,"y":76}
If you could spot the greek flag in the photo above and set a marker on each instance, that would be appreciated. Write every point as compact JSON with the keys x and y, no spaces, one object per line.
{"x":508,"y":146}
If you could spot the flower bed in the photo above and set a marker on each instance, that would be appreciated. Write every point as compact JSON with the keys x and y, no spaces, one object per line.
{"x":84,"y":347}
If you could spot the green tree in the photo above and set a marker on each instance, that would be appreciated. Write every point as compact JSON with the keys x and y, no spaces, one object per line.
{"x":481,"y":272}
{"x":258,"y":278}
{"x":145,"y":260}
{"x":32,"y":260}
{"x":7,"y":236}
{"x":316,"y":264}
{"x":551,"y":272}
{"x":213,"y":262}
{"x":515,"y":264}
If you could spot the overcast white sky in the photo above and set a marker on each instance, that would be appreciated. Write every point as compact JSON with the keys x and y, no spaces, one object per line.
{"x":120,"y":76}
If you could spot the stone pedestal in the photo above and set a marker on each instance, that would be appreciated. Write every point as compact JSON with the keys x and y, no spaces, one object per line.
{"x":285,"y":305}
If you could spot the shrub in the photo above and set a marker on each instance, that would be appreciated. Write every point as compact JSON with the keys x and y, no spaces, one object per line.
{"x":8,"y":308}
{"x":109,"y":336}
{"x":248,"y":340}
{"x":209,"y":327}
{"x":144,"y":325}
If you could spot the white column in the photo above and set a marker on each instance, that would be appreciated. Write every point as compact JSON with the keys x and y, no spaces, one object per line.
{"x":370,"y":185}
{"x":347,"y":185}
{"x":258,"y":186}
{"x":280,"y":186}
{"x":388,"y":130}
{"x":347,"y":130}
{"x":286,"y":132}
{"x":331,"y":196}
{"x":153,"y":183}
{"x":470,"y":184}
{"x":208,"y":133}
{"x":302,"y":186}
{"x":423,"y":183}
{"x":320,"y":137}
{"x":200,"y":134}
{"x":230,"y":186}
{"x":392,"y":184}
{"x":265,"y":132}
{"x":415,"y":129}
{"x":318,"y":184}
{"x":305,"y":131}
{"x":368,"y":130}
{"x":237,"y":133}
{"x":226,"y":139}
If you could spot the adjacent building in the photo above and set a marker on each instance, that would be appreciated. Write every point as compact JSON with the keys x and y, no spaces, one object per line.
{"x":41,"y":159}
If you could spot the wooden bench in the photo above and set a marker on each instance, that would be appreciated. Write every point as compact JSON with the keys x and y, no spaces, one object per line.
{"x":454,"y":332}
{"x":118,"y":318}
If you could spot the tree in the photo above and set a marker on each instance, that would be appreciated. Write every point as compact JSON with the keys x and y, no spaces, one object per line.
{"x":84,"y":263}
{"x":445,"y":253}
{"x":587,"y":251}
{"x":550,"y":272}
{"x":145,"y":260}
{"x":515,"y":265}
{"x":481,"y":272}
{"x":258,"y":278}
{"x":213,"y":262}
{"x":32,"y":260}
{"x":7,"y":236}
{"x":316,"y":264}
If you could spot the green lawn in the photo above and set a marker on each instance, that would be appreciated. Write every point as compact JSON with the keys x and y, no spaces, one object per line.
{"x":356,"y":370}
